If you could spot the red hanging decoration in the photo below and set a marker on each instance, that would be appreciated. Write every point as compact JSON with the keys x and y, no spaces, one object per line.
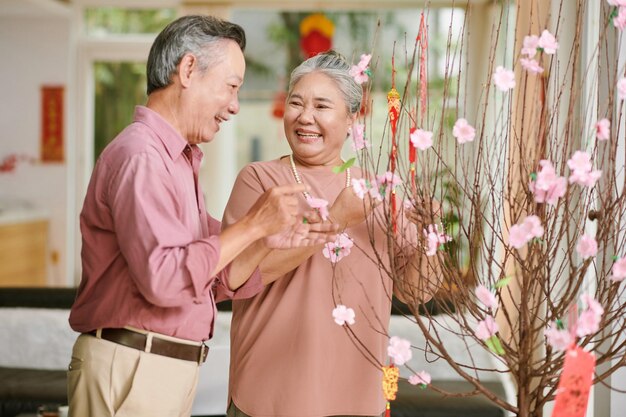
{"x":422,"y":41}
{"x":393,"y":106}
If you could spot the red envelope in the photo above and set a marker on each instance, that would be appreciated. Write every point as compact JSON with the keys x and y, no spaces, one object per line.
{"x":574,"y":384}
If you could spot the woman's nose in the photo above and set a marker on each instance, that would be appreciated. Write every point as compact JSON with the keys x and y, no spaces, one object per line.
{"x":306,"y":115}
{"x":233,"y":108}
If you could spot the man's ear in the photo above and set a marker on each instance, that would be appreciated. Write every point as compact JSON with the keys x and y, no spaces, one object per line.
{"x":186,"y":67}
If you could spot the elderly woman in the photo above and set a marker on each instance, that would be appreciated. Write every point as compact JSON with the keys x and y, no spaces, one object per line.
{"x":289,"y":357}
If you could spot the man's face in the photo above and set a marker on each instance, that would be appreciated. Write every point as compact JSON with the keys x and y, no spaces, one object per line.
{"x":214,"y":94}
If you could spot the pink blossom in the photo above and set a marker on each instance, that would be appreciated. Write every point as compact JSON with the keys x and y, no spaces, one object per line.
{"x":531,"y":43}
{"x":582,"y":173}
{"x":486,"y":328}
{"x":486,"y":297}
{"x":358,"y":140}
{"x":621,"y":88}
{"x":589,"y":320}
{"x":320,"y":205}
{"x":548,"y":187}
{"x":619,"y":270}
{"x":588,"y":323}
{"x":531,"y":65}
{"x":421,"y":139}
{"x":399,"y":350}
{"x":388,"y":179}
{"x":420,"y":378}
{"x":592,"y":304}
{"x":504,"y":79}
{"x":463,"y":131}
{"x":559,"y":339}
{"x":522,"y":233}
{"x":587,"y":246}
{"x":580,"y":161}
{"x":434,"y":238}
{"x":360,"y":187}
{"x":359,"y":71}
{"x":619,"y":21}
{"x":603,"y":129}
{"x":616,"y":2}
{"x":548,"y":43}
{"x":374,"y":191}
{"x":343,"y":315}
{"x":339,"y":249}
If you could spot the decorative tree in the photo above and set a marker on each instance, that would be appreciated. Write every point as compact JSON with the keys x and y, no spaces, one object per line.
{"x":532,"y":251}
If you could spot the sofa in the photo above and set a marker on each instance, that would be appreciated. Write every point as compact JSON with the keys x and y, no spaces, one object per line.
{"x":37,"y":342}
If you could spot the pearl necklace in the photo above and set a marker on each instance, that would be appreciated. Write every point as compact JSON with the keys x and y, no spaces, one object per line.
{"x":296,"y":175}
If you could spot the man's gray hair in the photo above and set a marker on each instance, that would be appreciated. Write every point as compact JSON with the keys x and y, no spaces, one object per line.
{"x":335,"y":66}
{"x":195,"y":34}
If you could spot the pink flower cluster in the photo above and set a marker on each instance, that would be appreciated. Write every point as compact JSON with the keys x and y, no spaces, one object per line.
{"x":421,"y":139}
{"x":546,"y":43}
{"x":360,"y":71}
{"x":399,"y":350}
{"x":588,"y":323}
{"x":559,"y":339}
{"x":520,"y":234}
{"x":581,"y":169}
{"x":434,"y":238}
{"x":603,"y":129}
{"x":487,"y":328}
{"x":619,"y":16}
{"x":343,"y":315}
{"x":377,"y":188}
{"x":548,"y":187}
{"x":421,"y":378}
{"x":587,"y":246}
{"x":320,"y":205}
{"x":486,"y":297}
{"x":619,"y":270}
{"x":589,"y":320}
{"x":504,"y":79}
{"x":358,"y":137}
{"x":339,"y":249}
{"x":463,"y":131}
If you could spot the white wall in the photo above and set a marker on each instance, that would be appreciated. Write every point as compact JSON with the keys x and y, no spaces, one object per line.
{"x":34,"y":51}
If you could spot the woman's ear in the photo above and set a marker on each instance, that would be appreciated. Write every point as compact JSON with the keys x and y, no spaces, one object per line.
{"x":351,"y":122}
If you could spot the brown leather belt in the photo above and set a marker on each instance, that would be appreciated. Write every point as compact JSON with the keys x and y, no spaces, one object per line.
{"x":159,"y":346}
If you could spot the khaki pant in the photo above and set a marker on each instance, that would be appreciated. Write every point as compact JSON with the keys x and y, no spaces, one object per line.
{"x":233,"y":411}
{"x":106,"y":379}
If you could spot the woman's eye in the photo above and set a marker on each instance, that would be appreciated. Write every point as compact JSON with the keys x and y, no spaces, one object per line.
{"x":295,"y":103}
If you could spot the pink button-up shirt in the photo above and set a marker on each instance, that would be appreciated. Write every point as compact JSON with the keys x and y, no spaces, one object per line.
{"x":149,"y":245}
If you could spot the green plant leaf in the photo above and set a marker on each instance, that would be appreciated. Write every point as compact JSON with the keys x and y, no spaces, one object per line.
{"x":503,"y":282}
{"x":344,"y":166}
{"x":493,"y":343}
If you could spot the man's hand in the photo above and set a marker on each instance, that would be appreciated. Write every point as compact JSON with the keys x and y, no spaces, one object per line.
{"x":349,"y":210}
{"x":302,"y":234}
{"x":275,"y":210}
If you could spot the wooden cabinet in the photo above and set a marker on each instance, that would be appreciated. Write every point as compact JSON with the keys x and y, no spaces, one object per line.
{"x":23,"y":252}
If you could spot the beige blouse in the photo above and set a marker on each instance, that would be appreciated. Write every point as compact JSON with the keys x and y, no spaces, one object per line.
{"x":288,"y":356}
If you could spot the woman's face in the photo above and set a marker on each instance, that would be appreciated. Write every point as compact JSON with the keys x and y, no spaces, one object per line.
{"x":317,"y":120}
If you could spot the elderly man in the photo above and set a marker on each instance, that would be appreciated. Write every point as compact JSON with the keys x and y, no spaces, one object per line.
{"x":154,"y":261}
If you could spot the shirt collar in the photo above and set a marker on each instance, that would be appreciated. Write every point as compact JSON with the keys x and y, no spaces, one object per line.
{"x":172,"y":140}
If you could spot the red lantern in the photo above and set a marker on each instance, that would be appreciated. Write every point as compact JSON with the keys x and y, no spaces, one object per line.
{"x":316,"y":34}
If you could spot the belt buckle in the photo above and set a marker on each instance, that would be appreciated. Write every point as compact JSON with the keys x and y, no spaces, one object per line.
{"x":204,"y":352}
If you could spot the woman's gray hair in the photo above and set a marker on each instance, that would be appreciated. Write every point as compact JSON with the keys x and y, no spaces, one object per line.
{"x":335,"y":66}
{"x":199,"y":35}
